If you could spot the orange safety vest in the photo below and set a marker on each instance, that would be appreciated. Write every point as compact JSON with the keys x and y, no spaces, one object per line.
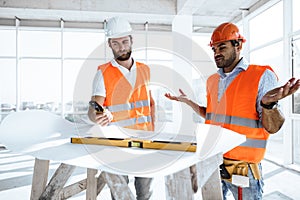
{"x":236,"y":110}
{"x":130,"y":106}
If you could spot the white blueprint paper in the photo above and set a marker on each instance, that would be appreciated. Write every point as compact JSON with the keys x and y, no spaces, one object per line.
{"x":47,"y":136}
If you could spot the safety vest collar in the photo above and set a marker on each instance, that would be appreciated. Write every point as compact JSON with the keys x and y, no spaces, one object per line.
{"x":242,"y":65}
{"x":132,"y":121}
{"x":240,"y":121}
{"x":128,"y":106}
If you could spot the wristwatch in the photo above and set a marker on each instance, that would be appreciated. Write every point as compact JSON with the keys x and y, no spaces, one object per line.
{"x":270,"y":106}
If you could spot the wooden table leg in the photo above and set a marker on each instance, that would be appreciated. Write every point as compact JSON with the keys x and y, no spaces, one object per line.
{"x":118,"y":186}
{"x":91,"y":186}
{"x":100,"y":183}
{"x":179,"y":185}
{"x":80,"y":186}
{"x":39,"y":179}
{"x":213,"y":188}
{"x":57,"y":182}
{"x":209,"y":178}
{"x":73,"y":189}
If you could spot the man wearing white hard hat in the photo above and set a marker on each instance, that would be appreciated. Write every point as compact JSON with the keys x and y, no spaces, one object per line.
{"x":122,"y":87}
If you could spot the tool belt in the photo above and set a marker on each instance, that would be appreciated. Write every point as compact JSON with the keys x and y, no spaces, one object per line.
{"x":237,"y":167}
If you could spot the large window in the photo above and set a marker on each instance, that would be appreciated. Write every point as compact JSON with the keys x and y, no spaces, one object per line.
{"x":266,"y":48}
{"x":53,"y":69}
{"x":296,"y":15}
{"x":83,"y":44}
{"x":270,"y":55}
{"x":40,"y":67}
{"x":40,"y":83}
{"x":296,"y":100}
{"x":35,"y":42}
{"x":7,"y":86}
{"x":296,"y":73}
{"x":296,"y":141}
{"x":8,"y":40}
{"x":269,"y":45}
{"x":83,"y":51}
{"x":261,"y":28}
{"x":8,"y":71}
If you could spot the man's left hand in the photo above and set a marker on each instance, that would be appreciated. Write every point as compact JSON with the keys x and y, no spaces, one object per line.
{"x":281,"y":92}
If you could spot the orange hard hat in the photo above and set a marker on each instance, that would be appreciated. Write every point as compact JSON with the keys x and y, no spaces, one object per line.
{"x":224,"y":32}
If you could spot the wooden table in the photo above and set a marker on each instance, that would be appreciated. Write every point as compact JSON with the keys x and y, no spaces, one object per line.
{"x":178,"y":185}
{"x":46,"y":137}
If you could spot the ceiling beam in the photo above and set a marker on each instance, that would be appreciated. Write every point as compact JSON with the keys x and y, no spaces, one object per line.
{"x":136,"y":11}
{"x":188,"y":7}
{"x":258,"y":5}
{"x":138,"y":6}
{"x":82,"y":16}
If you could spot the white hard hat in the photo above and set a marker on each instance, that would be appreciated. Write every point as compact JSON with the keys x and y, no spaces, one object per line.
{"x":117,"y":27}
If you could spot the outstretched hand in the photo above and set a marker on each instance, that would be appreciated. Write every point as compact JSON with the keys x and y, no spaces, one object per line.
{"x":201,"y":110}
{"x":281,"y":92}
{"x":182,"y":97}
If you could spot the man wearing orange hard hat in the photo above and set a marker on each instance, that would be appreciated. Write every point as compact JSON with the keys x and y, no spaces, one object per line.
{"x":241,"y":97}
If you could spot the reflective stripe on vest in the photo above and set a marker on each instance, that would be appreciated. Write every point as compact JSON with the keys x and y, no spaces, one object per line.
{"x":234,"y":120}
{"x":132,"y":121}
{"x":253,"y":143}
{"x":128,"y":106}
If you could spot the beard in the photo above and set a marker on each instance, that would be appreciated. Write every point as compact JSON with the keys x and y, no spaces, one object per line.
{"x":122,"y":57}
{"x":221,"y":62}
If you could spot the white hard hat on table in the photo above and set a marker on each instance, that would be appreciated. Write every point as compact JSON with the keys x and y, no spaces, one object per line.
{"x":117,"y":27}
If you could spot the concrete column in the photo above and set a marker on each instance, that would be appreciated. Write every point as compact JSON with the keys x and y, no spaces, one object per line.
{"x":182,"y":64}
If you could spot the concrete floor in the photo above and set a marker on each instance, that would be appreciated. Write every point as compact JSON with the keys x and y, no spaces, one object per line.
{"x":16,"y":176}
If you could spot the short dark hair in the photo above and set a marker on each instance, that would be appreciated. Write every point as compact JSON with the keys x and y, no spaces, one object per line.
{"x":130,"y":36}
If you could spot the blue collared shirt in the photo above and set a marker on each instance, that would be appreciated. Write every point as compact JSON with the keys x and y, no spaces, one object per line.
{"x":268,"y":81}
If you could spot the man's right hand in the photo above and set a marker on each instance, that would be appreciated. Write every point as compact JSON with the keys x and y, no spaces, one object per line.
{"x":201,"y":110}
{"x":182,"y":97}
{"x":101,"y":118}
